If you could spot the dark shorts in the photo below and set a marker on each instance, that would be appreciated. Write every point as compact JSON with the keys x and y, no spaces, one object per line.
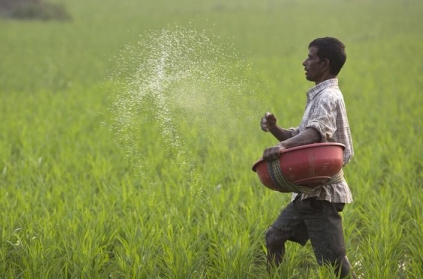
{"x":318,"y":221}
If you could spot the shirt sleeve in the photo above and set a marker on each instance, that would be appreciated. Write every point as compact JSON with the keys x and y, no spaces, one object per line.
{"x":323,"y":118}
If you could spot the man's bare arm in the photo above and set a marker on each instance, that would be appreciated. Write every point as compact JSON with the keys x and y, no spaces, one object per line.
{"x":308,"y":136}
{"x":268,"y":124}
{"x":280,"y":133}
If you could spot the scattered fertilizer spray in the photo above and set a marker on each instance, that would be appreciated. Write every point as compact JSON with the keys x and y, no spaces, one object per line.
{"x":188,"y":87}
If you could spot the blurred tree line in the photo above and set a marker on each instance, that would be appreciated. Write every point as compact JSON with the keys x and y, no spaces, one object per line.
{"x":33,"y":9}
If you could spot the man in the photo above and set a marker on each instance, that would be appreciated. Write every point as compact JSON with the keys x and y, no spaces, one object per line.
{"x":315,"y":215}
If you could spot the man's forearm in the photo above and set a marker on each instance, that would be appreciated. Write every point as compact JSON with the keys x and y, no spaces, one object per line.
{"x":308,"y":136}
{"x":280,"y":133}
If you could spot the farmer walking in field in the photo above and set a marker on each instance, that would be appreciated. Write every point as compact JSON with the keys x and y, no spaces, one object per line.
{"x":315,"y":215}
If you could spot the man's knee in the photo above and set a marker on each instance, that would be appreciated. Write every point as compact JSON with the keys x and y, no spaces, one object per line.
{"x":275,"y":237}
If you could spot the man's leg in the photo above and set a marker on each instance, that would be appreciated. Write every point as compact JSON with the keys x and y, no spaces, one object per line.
{"x":275,"y":244}
{"x":344,"y":268}
{"x":324,"y":226}
{"x":288,"y":226}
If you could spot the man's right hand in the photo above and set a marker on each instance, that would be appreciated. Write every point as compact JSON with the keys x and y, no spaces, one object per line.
{"x":271,"y":153}
{"x":268,"y":122}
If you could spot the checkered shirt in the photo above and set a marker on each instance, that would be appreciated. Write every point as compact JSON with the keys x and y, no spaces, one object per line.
{"x":325,"y":111}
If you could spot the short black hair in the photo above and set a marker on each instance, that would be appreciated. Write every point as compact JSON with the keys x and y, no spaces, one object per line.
{"x":332,"y":49}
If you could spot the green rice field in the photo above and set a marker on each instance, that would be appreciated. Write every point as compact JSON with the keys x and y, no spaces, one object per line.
{"x":128,"y":133}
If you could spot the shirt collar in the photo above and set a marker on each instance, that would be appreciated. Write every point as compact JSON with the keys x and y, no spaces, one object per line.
{"x":312,"y":92}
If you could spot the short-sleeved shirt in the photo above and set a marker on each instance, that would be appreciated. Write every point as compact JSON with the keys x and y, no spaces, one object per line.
{"x":325,"y":111}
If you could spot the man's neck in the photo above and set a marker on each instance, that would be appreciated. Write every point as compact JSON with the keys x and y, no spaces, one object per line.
{"x":324,"y":77}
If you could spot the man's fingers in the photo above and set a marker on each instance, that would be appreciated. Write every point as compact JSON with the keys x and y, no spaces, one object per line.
{"x":268,"y":121}
{"x":270,"y":118}
{"x":263,"y":124}
{"x":271,"y":154}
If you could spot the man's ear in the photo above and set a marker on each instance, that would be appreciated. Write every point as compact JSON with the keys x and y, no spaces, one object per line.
{"x":326,"y":64}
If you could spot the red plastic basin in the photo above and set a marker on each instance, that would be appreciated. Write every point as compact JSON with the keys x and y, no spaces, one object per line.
{"x":308,"y":165}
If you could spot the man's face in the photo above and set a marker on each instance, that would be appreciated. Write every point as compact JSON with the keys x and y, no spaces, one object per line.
{"x":313,"y":66}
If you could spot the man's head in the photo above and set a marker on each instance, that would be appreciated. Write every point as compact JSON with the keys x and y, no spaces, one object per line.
{"x":325,"y":59}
